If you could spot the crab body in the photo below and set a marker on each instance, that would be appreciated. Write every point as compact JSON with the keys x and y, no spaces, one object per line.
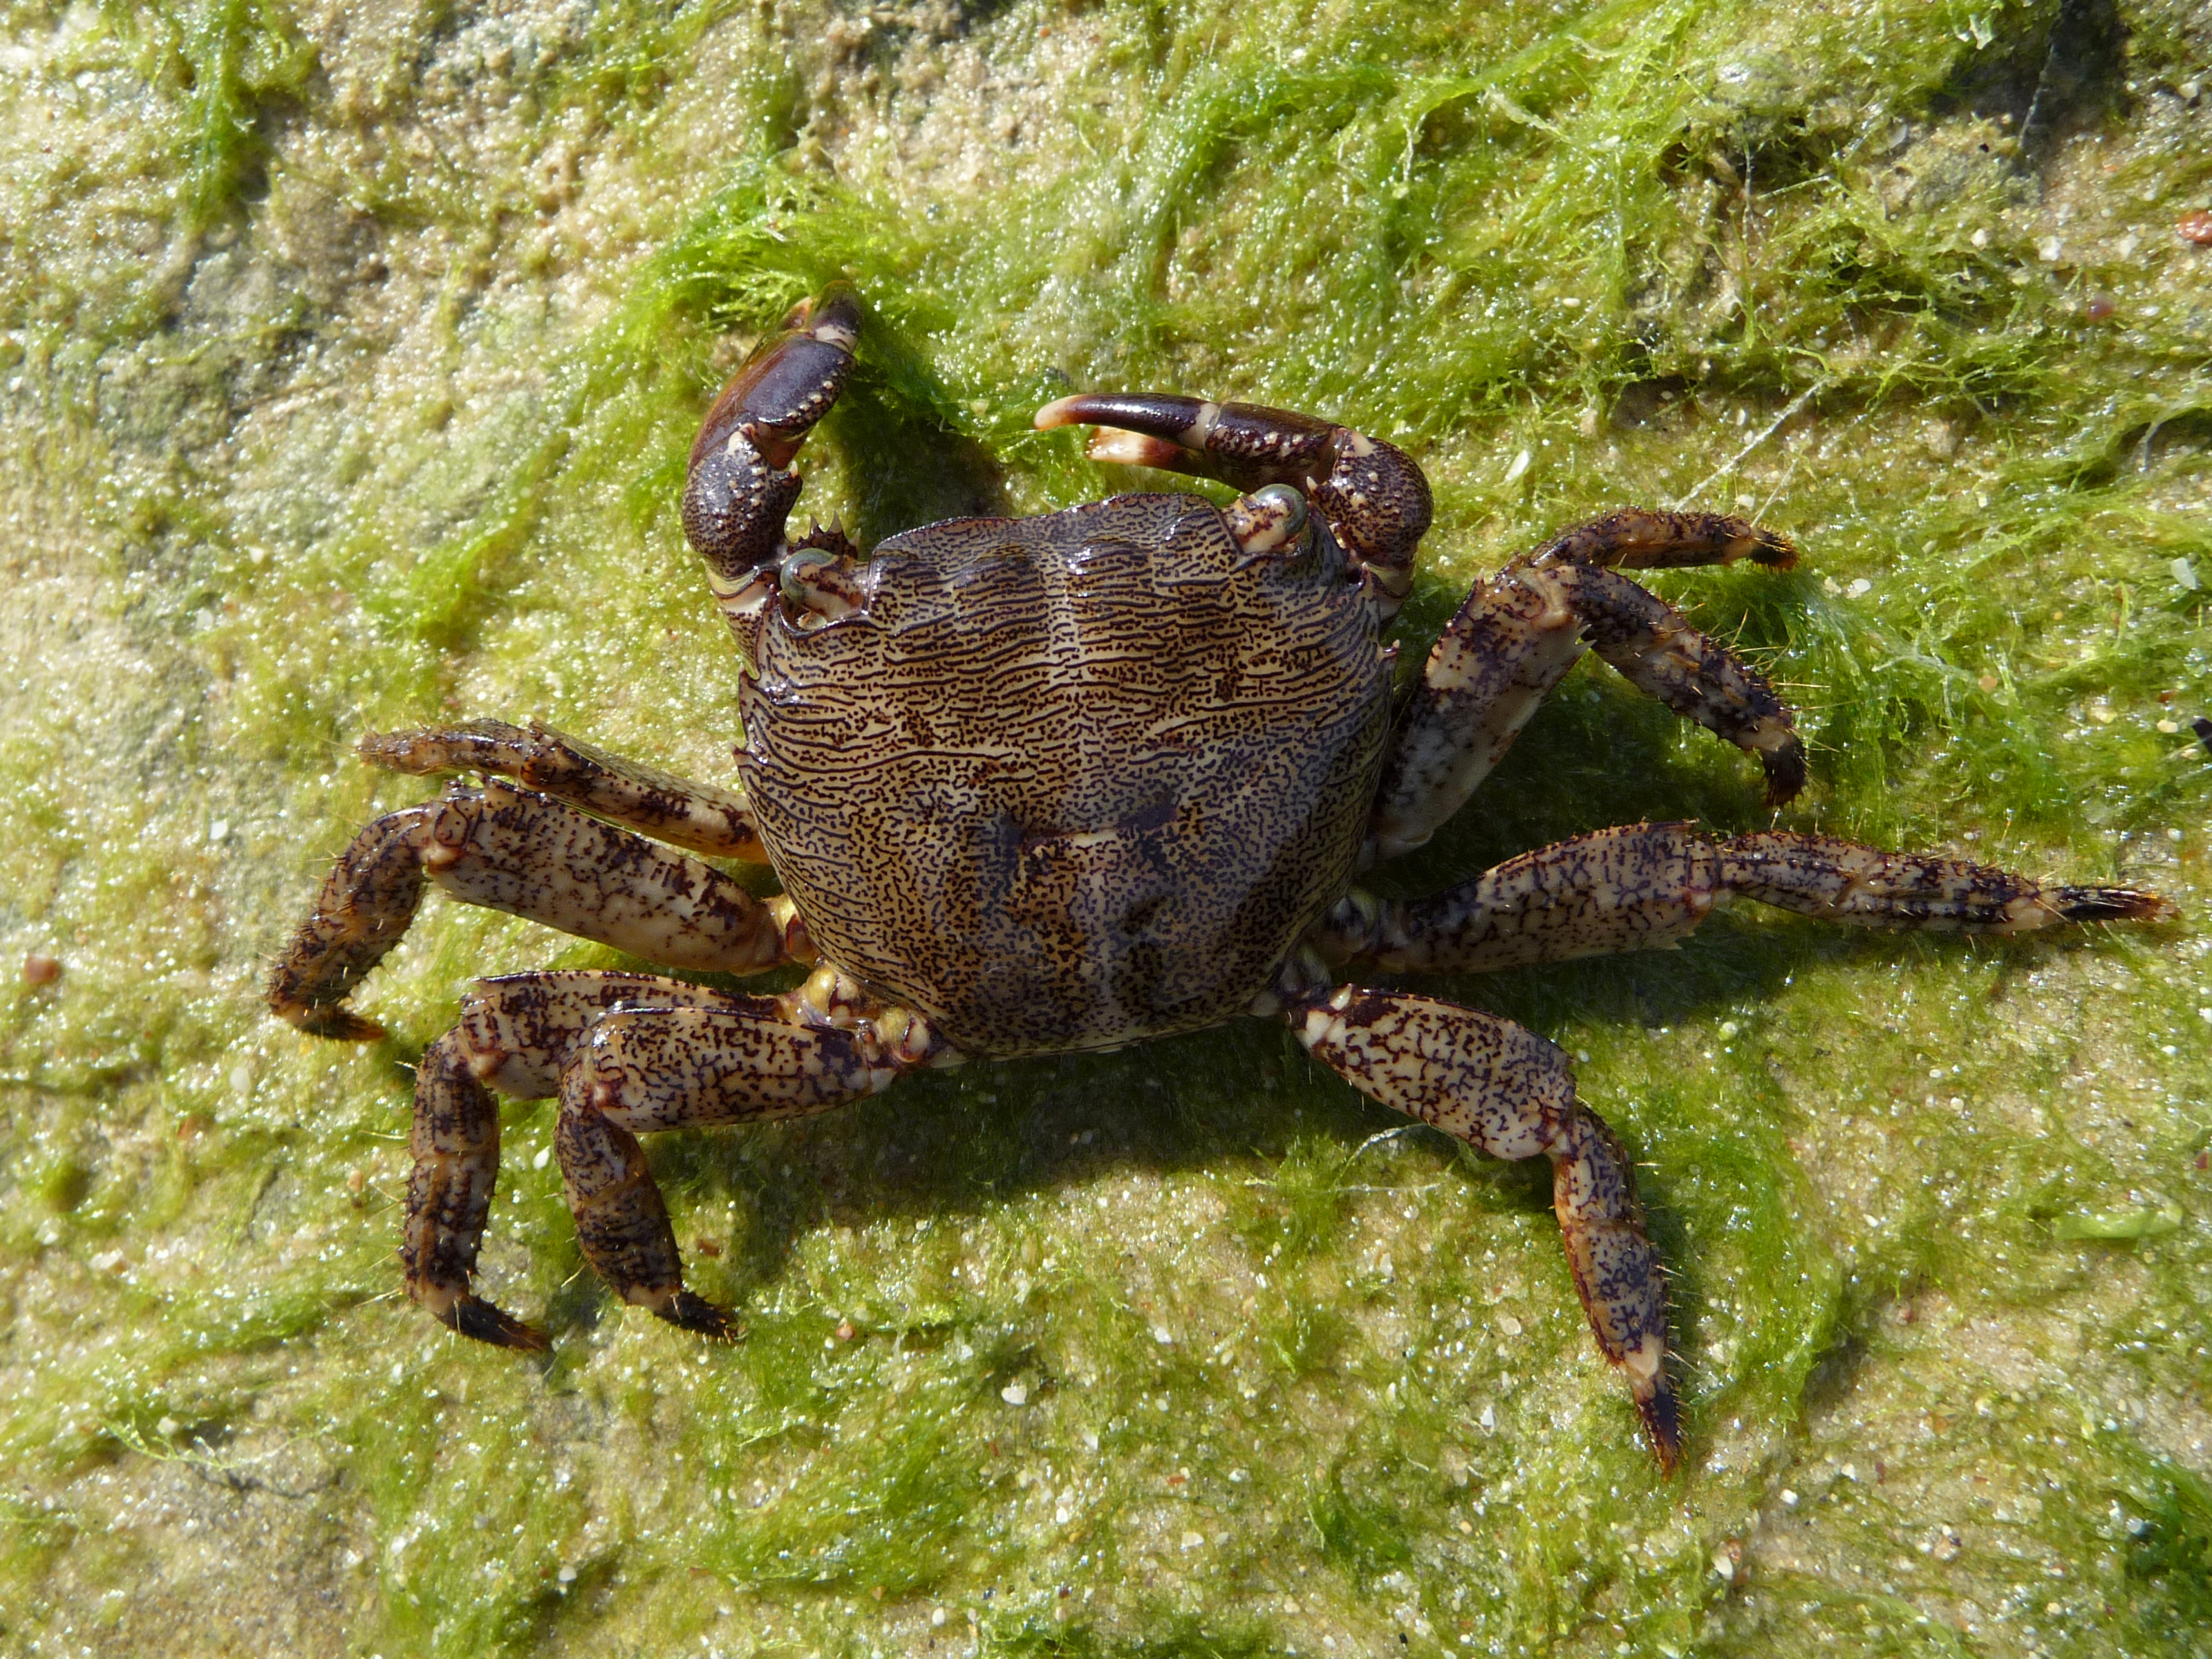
{"x":1070,"y":782}
{"x":1074,"y":781}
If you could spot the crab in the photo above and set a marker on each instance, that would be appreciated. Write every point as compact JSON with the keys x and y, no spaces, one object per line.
{"x":1039,"y":785}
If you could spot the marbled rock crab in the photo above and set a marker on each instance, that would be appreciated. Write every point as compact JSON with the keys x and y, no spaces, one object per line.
{"x":1072,"y":782}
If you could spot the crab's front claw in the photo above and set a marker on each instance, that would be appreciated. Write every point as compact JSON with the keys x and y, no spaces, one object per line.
{"x":740,"y":490}
{"x":1373,"y":497}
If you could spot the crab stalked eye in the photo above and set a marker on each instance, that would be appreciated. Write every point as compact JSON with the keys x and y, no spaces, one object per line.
{"x":792,"y":576}
{"x":1268,"y":520}
{"x":1286,"y":499}
{"x":820,"y":587}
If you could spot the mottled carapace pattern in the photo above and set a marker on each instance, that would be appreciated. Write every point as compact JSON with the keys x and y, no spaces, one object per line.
{"x":1037,"y":786}
{"x":1074,"y":781}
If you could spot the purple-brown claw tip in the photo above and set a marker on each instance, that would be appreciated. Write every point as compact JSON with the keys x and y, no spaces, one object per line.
{"x":2115,"y":904}
{"x":833,"y":316}
{"x":473,"y":1317}
{"x":333,"y":1020}
{"x":1112,"y":443}
{"x":1774,"y":551}
{"x":1663,"y":1427}
{"x":694,"y":1313}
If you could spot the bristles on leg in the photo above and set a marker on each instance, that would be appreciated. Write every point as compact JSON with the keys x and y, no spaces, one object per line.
{"x":473,"y":1317}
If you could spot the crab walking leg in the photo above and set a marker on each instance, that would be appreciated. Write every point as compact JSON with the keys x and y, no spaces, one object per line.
{"x":454,"y":1143}
{"x":512,"y":850}
{"x":738,"y":489}
{"x":1645,"y":538}
{"x":512,"y":1037}
{"x":1645,"y":887}
{"x":1377,"y":500}
{"x":1517,"y":635}
{"x":1506,"y":1092}
{"x":644,"y":1069}
{"x":1657,"y":651}
{"x":696,"y":817}
{"x":1485,"y":676}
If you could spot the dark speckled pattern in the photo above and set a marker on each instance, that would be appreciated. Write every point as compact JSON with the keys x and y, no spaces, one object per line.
{"x":1074,"y":781}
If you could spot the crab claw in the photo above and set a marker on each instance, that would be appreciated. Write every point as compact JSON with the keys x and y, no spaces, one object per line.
{"x":788,"y":384}
{"x":738,"y":491}
{"x":1375,"y":499}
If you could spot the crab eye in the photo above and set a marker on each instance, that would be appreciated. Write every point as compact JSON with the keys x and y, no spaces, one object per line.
{"x":1281,"y":498}
{"x":791,"y":578}
{"x":1268,"y":520}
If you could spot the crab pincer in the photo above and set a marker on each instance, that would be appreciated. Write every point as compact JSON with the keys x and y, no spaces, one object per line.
{"x":1373,"y":497}
{"x":739,"y":487}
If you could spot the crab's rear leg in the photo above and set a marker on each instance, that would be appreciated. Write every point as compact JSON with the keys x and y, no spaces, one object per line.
{"x":1506,"y":1092}
{"x":1375,"y":499}
{"x":512,"y":850}
{"x":514,"y":1035}
{"x":739,"y":488}
{"x":625,"y":1053}
{"x":645,"y":1069}
{"x":1646,"y":886}
{"x":1518,"y":634}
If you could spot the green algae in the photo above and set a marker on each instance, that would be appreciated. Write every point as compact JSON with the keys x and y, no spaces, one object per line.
{"x":351,"y":361}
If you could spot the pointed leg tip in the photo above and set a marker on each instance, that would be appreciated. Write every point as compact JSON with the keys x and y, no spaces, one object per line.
{"x":333,"y":1020}
{"x":1785,"y":772}
{"x":1773,"y":550}
{"x":1060,"y":411}
{"x":474,"y":1317}
{"x":1663,"y":1427}
{"x":394,"y":751}
{"x":2086,"y":904}
{"x":694,"y":1313}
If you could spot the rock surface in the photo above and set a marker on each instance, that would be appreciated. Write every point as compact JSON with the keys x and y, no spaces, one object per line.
{"x":348,"y":359}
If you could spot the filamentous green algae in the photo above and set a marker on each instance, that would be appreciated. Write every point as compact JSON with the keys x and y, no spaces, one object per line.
{"x":349,"y":360}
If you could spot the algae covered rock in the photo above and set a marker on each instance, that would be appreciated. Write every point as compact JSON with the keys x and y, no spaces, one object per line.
{"x":350,"y":360}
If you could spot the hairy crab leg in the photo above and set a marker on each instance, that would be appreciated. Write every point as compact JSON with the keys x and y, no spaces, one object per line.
{"x":1506,"y":1092}
{"x":1645,"y":887}
{"x":511,"y":850}
{"x":1518,"y":633}
{"x":696,"y":817}
{"x":1375,"y":499}
{"x":513,"y":1037}
{"x":739,"y":489}
{"x":639,"y":1070}
{"x":1645,"y":539}
{"x":1657,"y":651}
